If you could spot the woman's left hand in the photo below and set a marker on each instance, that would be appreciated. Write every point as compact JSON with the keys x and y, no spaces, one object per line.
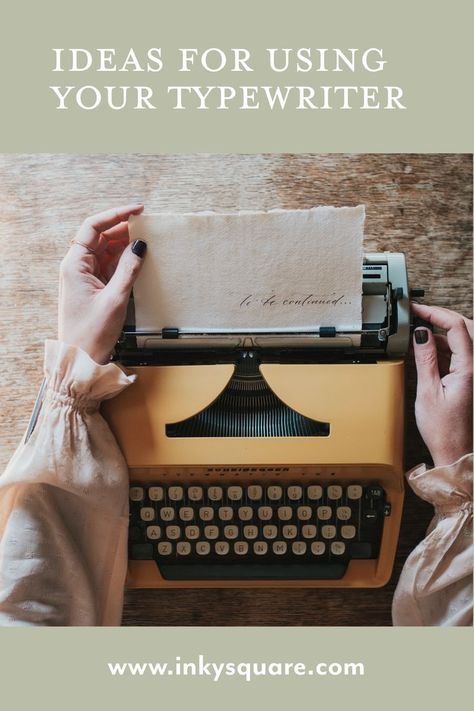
{"x":96,"y":278}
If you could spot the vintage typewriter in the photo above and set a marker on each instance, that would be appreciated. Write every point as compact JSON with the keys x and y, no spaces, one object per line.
{"x":268,"y":459}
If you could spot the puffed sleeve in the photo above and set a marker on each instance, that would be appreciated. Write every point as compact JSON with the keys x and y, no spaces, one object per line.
{"x":435,"y":587}
{"x":64,"y":503}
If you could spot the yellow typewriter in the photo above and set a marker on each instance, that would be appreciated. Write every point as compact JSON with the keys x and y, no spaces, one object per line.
{"x":268,"y":459}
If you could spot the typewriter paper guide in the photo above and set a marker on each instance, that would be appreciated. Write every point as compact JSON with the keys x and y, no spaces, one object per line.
{"x":278,"y":271}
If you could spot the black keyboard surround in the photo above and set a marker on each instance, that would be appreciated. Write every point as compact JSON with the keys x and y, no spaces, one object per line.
{"x":257,"y":530}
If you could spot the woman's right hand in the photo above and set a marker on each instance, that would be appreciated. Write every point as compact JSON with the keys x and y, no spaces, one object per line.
{"x":443,"y":406}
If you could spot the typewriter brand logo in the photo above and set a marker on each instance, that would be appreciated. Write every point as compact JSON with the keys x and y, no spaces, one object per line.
{"x":246,"y":470}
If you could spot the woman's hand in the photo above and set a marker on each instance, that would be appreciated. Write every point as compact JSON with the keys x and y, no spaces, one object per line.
{"x":96,"y":278}
{"x":443,"y":406}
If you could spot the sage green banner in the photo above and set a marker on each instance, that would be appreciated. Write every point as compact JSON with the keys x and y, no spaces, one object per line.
{"x":404,"y":668}
{"x":425,"y":49}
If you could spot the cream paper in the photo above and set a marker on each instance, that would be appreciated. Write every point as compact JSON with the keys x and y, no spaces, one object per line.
{"x":283,"y":270}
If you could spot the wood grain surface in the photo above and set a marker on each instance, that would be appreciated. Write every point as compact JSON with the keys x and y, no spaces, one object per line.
{"x":418,"y":204}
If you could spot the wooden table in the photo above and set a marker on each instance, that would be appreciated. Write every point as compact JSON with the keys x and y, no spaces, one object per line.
{"x":418,"y":204}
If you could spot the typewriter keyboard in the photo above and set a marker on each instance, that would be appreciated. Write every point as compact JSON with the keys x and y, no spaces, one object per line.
{"x":256,"y":531}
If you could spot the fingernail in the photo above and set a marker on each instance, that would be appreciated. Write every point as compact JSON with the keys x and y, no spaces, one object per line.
{"x":421,"y":323}
{"x":139,"y":248}
{"x":421,"y":335}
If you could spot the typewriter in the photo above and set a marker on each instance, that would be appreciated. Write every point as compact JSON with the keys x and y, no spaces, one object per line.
{"x":268,"y":459}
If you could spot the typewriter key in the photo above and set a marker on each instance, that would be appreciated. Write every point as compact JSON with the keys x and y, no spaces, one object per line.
{"x":173,"y":532}
{"x":298,"y":547}
{"x":147,"y":514}
{"x":344,"y":513}
{"x":231,"y":531}
{"x":211,"y":532}
{"x":304,"y":513}
{"x":328,"y":531}
{"x":195,"y":493}
{"x":241,"y":547}
{"x":285,"y":513}
{"x":206,"y":513}
{"x":167,"y":513}
{"x":348,"y":531}
{"x":175,"y":493}
{"x":255,"y":492}
{"x":324,"y":513}
{"x":250,"y":532}
{"x":221,"y":547}
{"x":136,"y":493}
{"x":155,"y":493}
{"x":234,"y":493}
{"x":334,"y":492}
{"x":183,"y":548}
{"x":295,"y":493}
{"x":214,"y":493}
{"x":274,"y":493}
{"x":309,"y":531}
{"x":270,"y":531}
{"x":226,"y":513}
{"x":289,"y":531}
{"x":315,"y":492}
{"x":164,"y":548}
{"x":265,"y":513}
{"x":153,"y":532}
{"x":186,"y":513}
{"x":191,"y":532}
{"x":354,"y":491}
{"x":203,"y":547}
{"x":245,"y":513}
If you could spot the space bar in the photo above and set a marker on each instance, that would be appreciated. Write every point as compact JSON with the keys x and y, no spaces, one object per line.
{"x":253,"y":571}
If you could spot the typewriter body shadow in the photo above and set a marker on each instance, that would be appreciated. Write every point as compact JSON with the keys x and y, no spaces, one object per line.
{"x":268,"y":460}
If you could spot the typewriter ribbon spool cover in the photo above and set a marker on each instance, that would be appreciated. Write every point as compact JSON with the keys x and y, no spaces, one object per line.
{"x":239,"y":407}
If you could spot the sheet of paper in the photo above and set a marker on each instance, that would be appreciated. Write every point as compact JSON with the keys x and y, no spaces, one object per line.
{"x":283,"y":270}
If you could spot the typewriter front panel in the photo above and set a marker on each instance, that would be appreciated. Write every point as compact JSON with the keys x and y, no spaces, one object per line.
{"x":362,"y":405}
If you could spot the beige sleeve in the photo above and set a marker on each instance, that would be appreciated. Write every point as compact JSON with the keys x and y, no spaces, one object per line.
{"x":64,"y":503}
{"x":435,"y":587}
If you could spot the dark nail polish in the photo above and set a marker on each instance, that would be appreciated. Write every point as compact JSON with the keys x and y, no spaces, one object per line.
{"x":139,"y":248}
{"x":421,"y":335}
